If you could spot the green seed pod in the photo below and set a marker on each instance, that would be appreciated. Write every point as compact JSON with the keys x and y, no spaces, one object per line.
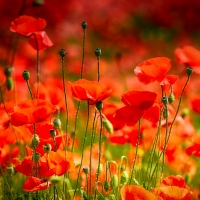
{"x":85,"y":169}
{"x":62,"y":53}
{"x":106,"y":186}
{"x":55,"y":179}
{"x":185,"y":112}
{"x":165,"y":113}
{"x":38,"y":2}
{"x":47,"y":148}
{"x":36,"y":157}
{"x":171,"y":98}
{"x":124,"y":177}
{"x":84,"y":25}
{"x":108,"y":126}
{"x":97,"y":52}
{"x":164,"y":100}
{"x":52,"y":133}
{"x":10,"y":170}
{"x":9,"y":83}
{"x":35,"y":141}
{"x":8,"y":71}
{"x":57,"y":123}
{"x":26,"y":75}
{"x":114,"y":181}
{"x":189,"y":71}
{"x":99,"y":105}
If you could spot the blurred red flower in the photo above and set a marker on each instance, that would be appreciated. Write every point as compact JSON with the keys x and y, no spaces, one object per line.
{"x":43,"y":41}
{"x":31,"y":112}
{"x":34,"y":184}
{"x":188,"y":55}
{"x":27,"y":25}
{"x":92,"y":91}
{"x":152,"y":70}
{"x":134,"y":192}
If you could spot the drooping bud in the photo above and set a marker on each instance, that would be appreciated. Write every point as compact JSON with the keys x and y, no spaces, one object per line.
{"x":99,"y":105}
{"x":8,"y":71}
{"x":84,"y":25}
{"x":26,"y":75}
{"x":62,"y":53}
{"x":189,"y":71}
{"x":85,"y":169}
{"x":9,"y":83}
{"x":164,"y":100}
{"x":35,"y":141}
{"x":52,"y":133}
{"x":106,"y":186}
{"x":114,"y":181}
{"x":47,"y":148}
{"x":97,"y":52}
{"x":171,"y":98}
{"x":108,"y":125}
{"x":185,"y":112}
{"x":36,"y":157}
{"x":57,"y":123}
{"x":124,"y":177}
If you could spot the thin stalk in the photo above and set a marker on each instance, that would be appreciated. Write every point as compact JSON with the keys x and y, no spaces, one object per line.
{"x":83,"y":146}
{"x":91,"y":147}
{"x":100,"y":149}
{"x":83,"y":52}
{"x":98,"y":68}
{"x":29,"y":88}
{"x":136,"y":152}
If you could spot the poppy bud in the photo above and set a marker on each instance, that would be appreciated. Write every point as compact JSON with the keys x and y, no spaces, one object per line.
{"x":55,"y":179}
{"x":165,"y":113}
{"x":189,"y":71}
{"x":108,"y":126}
{"x":47,"y":148}
{"x":9,"y":83}
{"x":171,"y":98}
{"x":62,"y":53}
{"x":52,"y":133}
{"x":114,"y":181}
{"x":164,"y":100}
{"x":38,"y":2}
{"x":185,"y":112}
{"x":124,"y":177}
{"x":57,"y":123}
{"x":35,"y":141}
{"x":99,"y":105}
{"x":26,"y":75}
{"x":10,"y":170}
{"x":8,"y":71}
{"x":85,"y":169}
{"x":106,"y":186}
{"x":97,"y":52}
{"x":84,"y":25}
{"x":36,"y":157}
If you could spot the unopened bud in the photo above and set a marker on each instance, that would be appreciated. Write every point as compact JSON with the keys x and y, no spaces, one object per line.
{"x":85,"y":169}
{"x":164,"y":100}
{"x":108,"y":125}
{"x":171,"y":98}
{"x":57,"y":123}
{"x":84,"y":25}
{"x":185,"y":112}
{"x":99,"y":105}
{"x":62,"y":53}
{"x":9,"y":83}
{"x":97,"y":52}
{"x":189,"y":71}
{"x":106,"y":186}
{"x":35,"y":141}
{"x":114,"y":181}
{"x":8,"y":71}
{"x":55,"y":179}
{"x":52,"y":133}
{"x":124,"y":177}
{"x":47,"y":148}
{"x":26,"y":75}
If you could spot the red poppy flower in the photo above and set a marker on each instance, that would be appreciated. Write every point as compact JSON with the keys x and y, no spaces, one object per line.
{"x":172,"y":193}
{"x":34,"y":184}
{"x":136,"y":103}
{"x":195,"y":148}
{"x":27,"y":25}
{"x":153,"y":69}
{"x":188,"y":55}
{"x":59,"y":163}
{"x":134,"y":192}
{"x":43,"y":41}
{"x":31,"y":112}
{"x":196,"y":105}
{"x":168,"y":81}
{"x":92,"y":91}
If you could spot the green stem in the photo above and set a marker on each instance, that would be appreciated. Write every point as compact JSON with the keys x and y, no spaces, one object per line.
{"x":136,"y":152}
{"x":29,"y":88}
{"x":83,"y":146}
{"x":98,"y":68}
{"x":91,"y":147}
{"x":83,"y":52}
{"x":100,"y":149}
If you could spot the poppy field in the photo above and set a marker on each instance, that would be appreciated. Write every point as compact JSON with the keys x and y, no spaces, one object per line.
{"x":99,"y":100}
